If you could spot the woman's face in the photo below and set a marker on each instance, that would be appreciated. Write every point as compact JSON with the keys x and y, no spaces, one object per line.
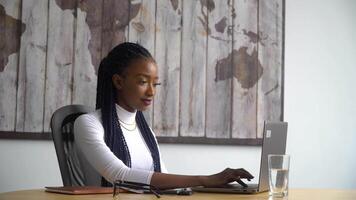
{"x":137,"y":86}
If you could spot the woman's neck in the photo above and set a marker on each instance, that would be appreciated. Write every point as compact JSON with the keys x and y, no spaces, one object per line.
{"x":124,"y":115}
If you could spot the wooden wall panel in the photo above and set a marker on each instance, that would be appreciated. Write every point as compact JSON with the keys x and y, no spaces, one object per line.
{"x":193,"y":70}
{"x":245,"y":69}
{"x":32,"y":66}
{"x":10,"y":32}
{"x":84,"y":71}
{"x":220,"y":62}
{"x":270,"y":54}
{"x":142,"y":31}
{"x":115,"y":18}
{"x":218,"y":97}
{"x":94,"y":19}
{"x":58,"y":89}
{"x":168,"y":37}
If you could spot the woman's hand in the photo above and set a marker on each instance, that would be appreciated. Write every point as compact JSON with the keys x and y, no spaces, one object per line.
{"x":227,"y":176}
{"x":169,"y":181}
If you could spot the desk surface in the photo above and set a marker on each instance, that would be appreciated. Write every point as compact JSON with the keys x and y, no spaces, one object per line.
{"x":294,"y":194}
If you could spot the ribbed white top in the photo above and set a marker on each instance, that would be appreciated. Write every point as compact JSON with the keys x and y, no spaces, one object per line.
{"x":89,"y":136}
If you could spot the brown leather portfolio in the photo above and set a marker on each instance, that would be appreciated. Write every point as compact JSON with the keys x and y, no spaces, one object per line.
{"x":80,"y":190}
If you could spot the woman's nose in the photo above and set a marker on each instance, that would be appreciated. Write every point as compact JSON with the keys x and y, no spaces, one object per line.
{"x":150,"y":90}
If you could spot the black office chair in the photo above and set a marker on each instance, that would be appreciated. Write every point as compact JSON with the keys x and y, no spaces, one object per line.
{"x":75,"y":169}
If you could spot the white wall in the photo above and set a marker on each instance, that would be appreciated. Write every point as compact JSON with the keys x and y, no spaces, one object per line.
{"x":320,"y":65}
{"x":320,"y":97}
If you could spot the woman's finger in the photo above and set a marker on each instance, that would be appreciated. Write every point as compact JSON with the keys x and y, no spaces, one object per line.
{"x":241,"y":183}
{"x":243,"y":173}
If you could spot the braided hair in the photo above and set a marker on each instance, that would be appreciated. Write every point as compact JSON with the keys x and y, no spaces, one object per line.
{"x":116,"y":62}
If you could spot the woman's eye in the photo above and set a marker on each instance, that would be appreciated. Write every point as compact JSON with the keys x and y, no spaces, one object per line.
{"x":142,"y":82}
{"x":156,"y":84}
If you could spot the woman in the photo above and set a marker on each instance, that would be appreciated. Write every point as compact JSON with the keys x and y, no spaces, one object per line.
{"x":116,"y":139}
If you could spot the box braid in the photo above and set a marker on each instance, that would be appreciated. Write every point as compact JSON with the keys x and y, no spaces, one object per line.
{"x":116,"y":62}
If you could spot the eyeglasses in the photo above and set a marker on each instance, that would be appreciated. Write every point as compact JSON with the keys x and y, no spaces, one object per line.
{"x":135,"y":187}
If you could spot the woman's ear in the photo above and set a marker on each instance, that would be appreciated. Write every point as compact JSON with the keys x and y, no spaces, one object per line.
{"x":117,"y":81}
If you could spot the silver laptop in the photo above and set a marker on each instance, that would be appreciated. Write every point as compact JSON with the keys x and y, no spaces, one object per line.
{"x":274,"y":142}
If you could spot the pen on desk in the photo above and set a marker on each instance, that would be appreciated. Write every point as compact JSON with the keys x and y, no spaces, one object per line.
{"x":180,"y":191}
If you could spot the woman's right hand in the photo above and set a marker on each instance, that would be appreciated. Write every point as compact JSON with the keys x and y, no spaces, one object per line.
{"x":170,"y":181}
{"x":227,"y":176}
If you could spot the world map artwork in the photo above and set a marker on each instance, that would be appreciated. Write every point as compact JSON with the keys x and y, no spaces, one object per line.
{"x":220,"y":63}
{"x":246,"y":68}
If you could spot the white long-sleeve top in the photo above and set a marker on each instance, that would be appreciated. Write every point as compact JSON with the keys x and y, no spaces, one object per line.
{"x":89,"y":137}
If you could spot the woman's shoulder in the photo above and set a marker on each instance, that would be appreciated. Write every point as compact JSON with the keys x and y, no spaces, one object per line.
{"x":95,"y":115}
{"x":89,"y":126}
{"x":89,"y":119}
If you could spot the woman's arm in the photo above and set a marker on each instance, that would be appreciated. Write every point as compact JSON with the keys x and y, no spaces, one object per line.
{"x":168,"y":181}
{"x":89,"y":135}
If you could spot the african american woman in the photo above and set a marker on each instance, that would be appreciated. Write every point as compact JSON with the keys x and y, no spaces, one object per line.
{"x":116,"y":139}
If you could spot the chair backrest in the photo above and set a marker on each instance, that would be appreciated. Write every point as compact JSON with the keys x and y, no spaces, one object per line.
{"x":75,"y":169}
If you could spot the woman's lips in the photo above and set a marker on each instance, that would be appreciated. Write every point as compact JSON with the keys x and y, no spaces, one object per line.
{"x":147,"y":102}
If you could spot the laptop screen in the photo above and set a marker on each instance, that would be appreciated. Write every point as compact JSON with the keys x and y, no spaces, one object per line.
{"x":274,"y":142}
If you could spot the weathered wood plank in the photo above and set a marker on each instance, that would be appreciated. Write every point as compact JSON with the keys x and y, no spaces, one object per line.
{"x":218,"y":98}
{"x":193,"y":70}
{"x":94,"y":10}
{"x":167,"y":48}
{"x":142,"y":31}
{"x":10,"y":33}
{"x":87,"y":52}
{"x":115,"y":22}
{"x":60,"y":52}
{"x":245,"y":69}
{"x":32,"y":64}
{"x":270,"y":54}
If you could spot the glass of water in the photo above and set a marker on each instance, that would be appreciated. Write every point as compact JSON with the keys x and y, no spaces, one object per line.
{"x":278,"y":167}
